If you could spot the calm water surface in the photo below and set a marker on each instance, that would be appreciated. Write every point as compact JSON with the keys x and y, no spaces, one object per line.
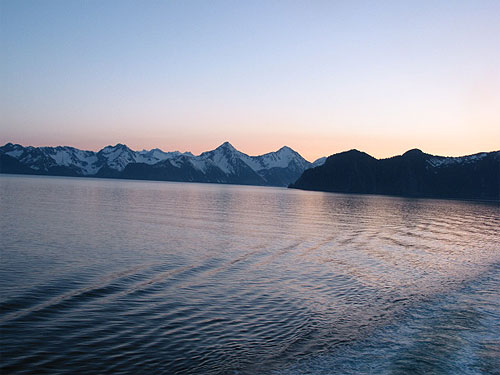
{"x":128,"y":277}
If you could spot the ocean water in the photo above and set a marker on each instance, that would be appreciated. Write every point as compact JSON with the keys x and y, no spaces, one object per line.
{"x":130,"y":277}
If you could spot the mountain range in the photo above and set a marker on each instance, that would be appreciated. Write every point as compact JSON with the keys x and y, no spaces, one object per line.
{"x":225,"y":164}
{"x":413,"y":174}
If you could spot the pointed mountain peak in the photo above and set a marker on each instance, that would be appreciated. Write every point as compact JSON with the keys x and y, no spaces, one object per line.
{"x":288,"y":152}
{"x":286,"y":149}
{"x":227,"y":146}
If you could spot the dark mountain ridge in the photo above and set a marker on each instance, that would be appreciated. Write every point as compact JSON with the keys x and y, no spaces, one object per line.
{"x":413,"y":174}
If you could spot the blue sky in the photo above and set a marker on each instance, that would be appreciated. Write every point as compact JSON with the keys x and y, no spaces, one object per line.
{"x":319,"y":76}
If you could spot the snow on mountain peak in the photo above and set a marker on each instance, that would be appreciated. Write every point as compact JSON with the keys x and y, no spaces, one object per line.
{"x":226,"y":146}
{"x":117,"y":147}
{"x":222,"y":157}
{"x":439,"y":161}
{"x":319,"y":161}
{"x":118,"y":156}
{"x":286,"y":149}
{"x":225,"y":158}
{"x":282,"y":159}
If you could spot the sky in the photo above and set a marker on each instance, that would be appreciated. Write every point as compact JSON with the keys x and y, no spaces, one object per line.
{"x":319,"y":76}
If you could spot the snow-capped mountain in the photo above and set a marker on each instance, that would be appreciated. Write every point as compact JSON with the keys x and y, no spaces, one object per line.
{"x":440,"y":161}
{"x":119,"y":156}
{"x":225,"y":164}
{"x":45,"y":159}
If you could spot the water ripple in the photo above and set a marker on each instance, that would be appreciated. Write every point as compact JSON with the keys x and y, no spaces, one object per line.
{"x":135,"y":277}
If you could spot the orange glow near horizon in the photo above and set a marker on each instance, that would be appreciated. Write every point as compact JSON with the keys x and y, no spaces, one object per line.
{"x":319,"y":77}
{"x":311,"y":147}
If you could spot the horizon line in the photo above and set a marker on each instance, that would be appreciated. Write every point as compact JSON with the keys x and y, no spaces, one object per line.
{"x":237,"y":149}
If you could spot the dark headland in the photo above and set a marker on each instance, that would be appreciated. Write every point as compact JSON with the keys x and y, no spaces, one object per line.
{"x":413,"y":174}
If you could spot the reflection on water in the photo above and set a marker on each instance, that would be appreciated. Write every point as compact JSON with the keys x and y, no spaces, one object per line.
{"x":102,"y":276}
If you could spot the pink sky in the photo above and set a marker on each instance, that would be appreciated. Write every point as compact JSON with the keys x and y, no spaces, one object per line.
{"x":320,"y":77}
